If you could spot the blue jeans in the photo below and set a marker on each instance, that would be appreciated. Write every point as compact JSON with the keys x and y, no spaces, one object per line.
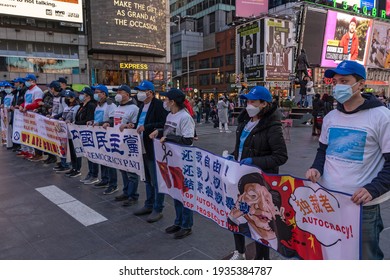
{"x":64,"y":163}
{"x":184,"y":216}
{"x":93,"y":169}
{"x":198,"y":115}
{"x":109,"y":175}
{"x":130,"y":184}
{"x":372,"y":226}
{"x":154,"y":199}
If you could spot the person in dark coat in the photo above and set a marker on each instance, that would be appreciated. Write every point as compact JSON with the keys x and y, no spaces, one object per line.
{"x":260,"y":142}
{"x":302,"y":65}
{"x":318,"y":114}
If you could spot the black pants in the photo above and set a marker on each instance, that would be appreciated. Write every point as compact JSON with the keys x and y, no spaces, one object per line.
{"x":262,"y":252}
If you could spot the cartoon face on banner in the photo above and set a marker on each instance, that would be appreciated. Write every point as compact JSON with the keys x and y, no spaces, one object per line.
{"x":346,"y":37}
{"x":293,"y":216}
{"x":379,"y":55}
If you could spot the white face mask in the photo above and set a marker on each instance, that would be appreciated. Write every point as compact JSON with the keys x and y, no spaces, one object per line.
{"x":141,"y":95}
{"x":8,"y":90}
{"x":166,"y":106}
{"x":118,"y":98}
{"x":252,"y":110}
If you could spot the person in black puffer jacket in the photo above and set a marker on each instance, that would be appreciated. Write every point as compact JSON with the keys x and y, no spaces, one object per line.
{"x":260,"y":142}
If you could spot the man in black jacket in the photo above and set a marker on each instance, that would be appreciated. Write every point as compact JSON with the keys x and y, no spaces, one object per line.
{"x":152,"y":115}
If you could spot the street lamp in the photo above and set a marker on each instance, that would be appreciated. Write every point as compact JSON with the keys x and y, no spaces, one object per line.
{"x":188,"y":67}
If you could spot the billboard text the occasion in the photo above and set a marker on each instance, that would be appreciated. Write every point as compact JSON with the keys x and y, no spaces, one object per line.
{"x":135,"y":27}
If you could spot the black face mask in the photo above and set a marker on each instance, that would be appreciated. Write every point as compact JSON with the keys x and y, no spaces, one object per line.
{"x":67,"y":101}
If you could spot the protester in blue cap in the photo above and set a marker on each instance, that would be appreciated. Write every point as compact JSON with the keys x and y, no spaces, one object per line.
{"x":6,"y":103}
{"x":151,"y":116}
{"x":179,"y":128}
{"x":104,"y":113}
{"x":32,"y":99}
{"x":354,"y":151}
{"x":19,"y":92}
{"x":259,"y":142}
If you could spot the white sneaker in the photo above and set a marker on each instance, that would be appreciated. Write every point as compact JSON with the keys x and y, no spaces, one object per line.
{"x":237,"y":256}
{"x":228,"y":131}
{"x":220,"y":130}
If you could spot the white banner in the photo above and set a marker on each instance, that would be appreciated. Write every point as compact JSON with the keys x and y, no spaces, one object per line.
{"x":42,"y":133}
{"x":291,"y":215}
{"x":5,"y":135}
{"x":110,"y":147}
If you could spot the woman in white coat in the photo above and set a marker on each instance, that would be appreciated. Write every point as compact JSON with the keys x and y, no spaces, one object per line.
{"x":223,"y":107}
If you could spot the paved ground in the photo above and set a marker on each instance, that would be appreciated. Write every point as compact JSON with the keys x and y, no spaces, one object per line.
{"x":33,"y":227}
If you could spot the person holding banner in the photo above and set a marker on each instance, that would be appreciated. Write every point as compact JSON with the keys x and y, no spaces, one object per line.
{"x":104,"y":113}
{"x":20,"y":90}
{"x":151,"y":116}
{"x":32,"y":99}
{"x":179,"y":128}
{"x":6,"y":104}
{"x":259,"y":141}
{"x":354,"y":151}
{"x":86,"y":113}
{"x":125,"y":116}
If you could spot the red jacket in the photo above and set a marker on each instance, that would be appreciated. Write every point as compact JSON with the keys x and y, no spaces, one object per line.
{"x":354,"y":47}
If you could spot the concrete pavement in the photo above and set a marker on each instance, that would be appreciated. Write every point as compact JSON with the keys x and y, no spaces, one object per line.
{"x":35,"y":227}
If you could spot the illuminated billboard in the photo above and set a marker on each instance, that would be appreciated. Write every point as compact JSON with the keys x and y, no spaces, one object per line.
{"x":346,"y":37}
{"x":278,"y":37}
{"x":61,"y":10}
{"x":250,"y":50}
{"x":137,"y":27}
{"x":249,"y":8}
{"x":379,"y":55}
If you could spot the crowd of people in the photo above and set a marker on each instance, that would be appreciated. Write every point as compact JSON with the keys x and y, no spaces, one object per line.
{"x":361,"y":168}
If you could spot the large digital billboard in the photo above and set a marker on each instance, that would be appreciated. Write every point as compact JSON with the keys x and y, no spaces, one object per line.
{"x":379,"y":55}
{"x":251,"y":8}
{"x":137,"y":27}
{"x":346,"y":37}
{"x":250,"y":51}
{"x":61,"y":10}
{"x":278,"y":37}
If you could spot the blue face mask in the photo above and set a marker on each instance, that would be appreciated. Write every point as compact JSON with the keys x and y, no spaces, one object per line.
{"x":28,"y":84}
{"x":82,"y":97}
{"x":343,"y":93}
{"x":96,"y":97}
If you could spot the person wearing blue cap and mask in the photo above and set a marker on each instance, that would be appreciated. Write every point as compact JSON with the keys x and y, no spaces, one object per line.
{"x":151,"y":116}
{"x":19,"y":91}
{"x":6,"y":104}
{"x":259,"y":142}
{"x":354,"y":151}
{"x":104,"y":113}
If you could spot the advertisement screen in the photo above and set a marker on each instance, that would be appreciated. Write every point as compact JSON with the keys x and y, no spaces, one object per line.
{"x":135,"y":27}
{"x":346,"y":37}
{"x":278,"y":37}
{"x":61,"y":10}
{"x":314,"y":34}
{"x":251,"y":52}
{"x":379,"y":55}
{"x":248,"y":8}
{"x":388,"y":7}
{"x":360,"y":3}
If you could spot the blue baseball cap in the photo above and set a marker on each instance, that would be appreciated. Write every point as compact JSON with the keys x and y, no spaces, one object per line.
{"x":62,"y":80}
{"x":19,"y":80}
{"x":175,"y":95}
{"x":347,"y":67}
{"x":56,"y":85}
{"x":145,"y":85}
{"x":87,"y":90}
{"x":123,"y":87}
{"x":30,"y":77}
{"x":6,"y":84}
{"x":70,"y":94}
{"x":258,"y":93}
{"x":101,"y":88}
